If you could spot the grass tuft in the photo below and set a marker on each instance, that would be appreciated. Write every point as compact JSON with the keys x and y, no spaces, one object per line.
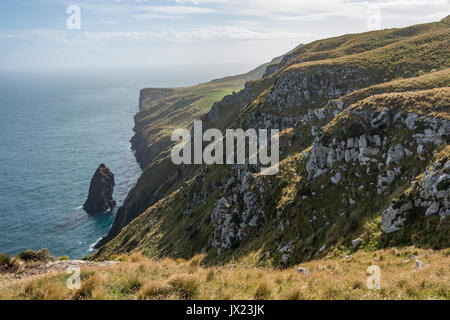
{"x":263,"y":291}
{"x":185,"y":286}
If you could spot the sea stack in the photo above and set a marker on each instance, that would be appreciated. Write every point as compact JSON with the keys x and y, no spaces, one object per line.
{"x":100,"y":192}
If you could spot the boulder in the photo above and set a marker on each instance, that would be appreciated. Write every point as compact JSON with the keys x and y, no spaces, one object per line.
{"x":420,"y":265}
{"x":303,"y":271}
{"x":100,"y":192}
{"x":395,"y":153}
{"x":336,"y":178}
{"x":356,"y":243}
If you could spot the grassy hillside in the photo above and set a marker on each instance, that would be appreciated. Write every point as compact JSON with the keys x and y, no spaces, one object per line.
{"x":363,"y":119}
{"x":354,"y":44}
{"x":137,"y":277}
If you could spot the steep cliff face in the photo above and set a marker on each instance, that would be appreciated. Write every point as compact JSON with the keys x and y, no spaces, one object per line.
{"x":164,"y":110}
{"x":352,"y":143}
{"x":161,"y":112}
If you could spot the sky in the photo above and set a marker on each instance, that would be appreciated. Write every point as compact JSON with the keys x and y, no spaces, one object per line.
{"x":83,"y":34}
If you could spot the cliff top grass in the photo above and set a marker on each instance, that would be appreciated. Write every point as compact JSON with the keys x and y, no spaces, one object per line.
{"x":433,"y":102}
{"x":351,"y":44}
{"x":435,"y":79}
{"x":137,"y":277}
{"x":177,"y":107}
{"x":403,"y":58}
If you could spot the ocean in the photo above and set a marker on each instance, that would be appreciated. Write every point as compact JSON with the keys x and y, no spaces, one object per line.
{"x":56,"y":128}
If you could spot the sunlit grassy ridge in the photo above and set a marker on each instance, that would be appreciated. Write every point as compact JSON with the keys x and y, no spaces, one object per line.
{"x":436,"y":79}
{"x":137,"y":277}
{"x":354,"y":44}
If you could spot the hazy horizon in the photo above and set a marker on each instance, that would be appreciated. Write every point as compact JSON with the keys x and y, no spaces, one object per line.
{"x":67,"y":35}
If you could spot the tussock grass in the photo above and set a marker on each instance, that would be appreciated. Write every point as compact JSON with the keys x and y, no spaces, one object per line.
{"x":185,"y":286}
{"x":156,"y":290}
{"x":263,"y":291}
{"x":330,"y":278}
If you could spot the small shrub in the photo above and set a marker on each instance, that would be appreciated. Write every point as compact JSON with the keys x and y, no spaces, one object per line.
{"x":263,"y":291}
{"x":5,"y":260}
{"x":63,"y":258}
{"x":185,"y":286}
{"x":37,"y":256}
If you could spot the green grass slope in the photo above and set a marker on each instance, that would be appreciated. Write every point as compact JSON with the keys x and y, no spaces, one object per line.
{"x":363,"y":118}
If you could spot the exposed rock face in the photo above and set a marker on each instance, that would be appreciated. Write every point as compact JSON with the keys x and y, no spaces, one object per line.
{"x":100,"y":192}
{"x":431,"y":193}
{"x":320,"y":84}
{"x":231,"y":225}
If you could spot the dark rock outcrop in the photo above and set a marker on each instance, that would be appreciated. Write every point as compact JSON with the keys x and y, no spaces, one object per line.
{"x":100,"y":192}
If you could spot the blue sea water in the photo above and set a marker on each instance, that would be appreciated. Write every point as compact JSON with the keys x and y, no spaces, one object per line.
{"x":56,"y":128}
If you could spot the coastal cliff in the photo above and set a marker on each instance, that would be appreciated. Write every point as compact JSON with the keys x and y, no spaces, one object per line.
{"x":160,"y":112}
{"x":364,"y":130}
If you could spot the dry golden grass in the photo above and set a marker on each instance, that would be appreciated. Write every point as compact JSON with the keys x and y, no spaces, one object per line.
{"x":330,"y":278}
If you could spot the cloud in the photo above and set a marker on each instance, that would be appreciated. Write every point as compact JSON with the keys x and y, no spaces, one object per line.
{"x":167,"y":34}
{"x":141,"y":10}
{"x":161,"y":12}
{"x":193,"y":31}
{"x":313,"y":10}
